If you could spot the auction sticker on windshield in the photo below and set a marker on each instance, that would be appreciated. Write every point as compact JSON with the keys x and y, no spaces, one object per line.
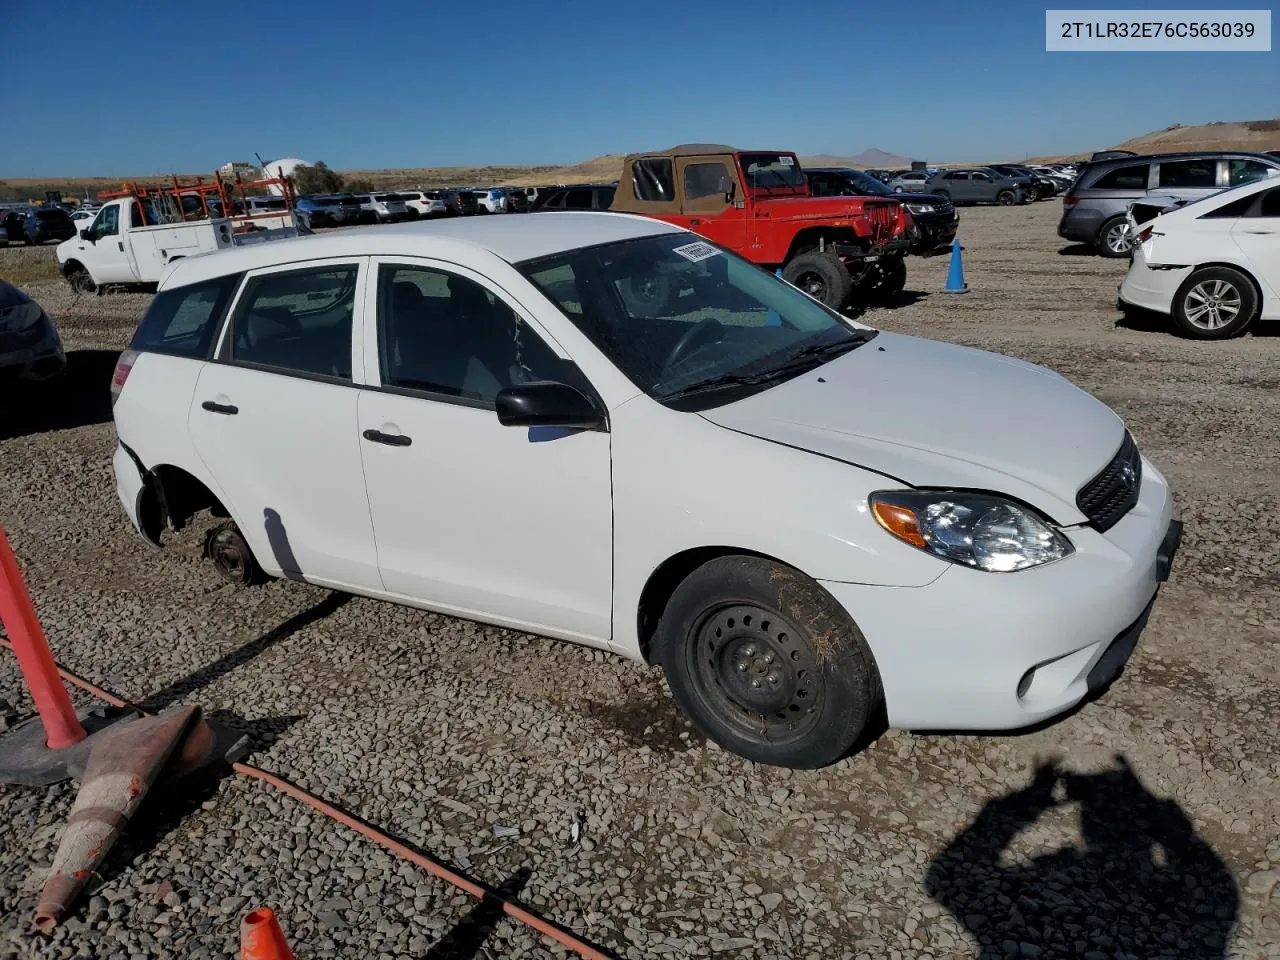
{"x":693,"y":252}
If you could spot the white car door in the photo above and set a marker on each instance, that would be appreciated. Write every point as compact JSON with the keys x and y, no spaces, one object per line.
{"x":513,"y":526}
{"x":274,"y":420}
{"x":1259,"y":237}
{"x":104,"y":253}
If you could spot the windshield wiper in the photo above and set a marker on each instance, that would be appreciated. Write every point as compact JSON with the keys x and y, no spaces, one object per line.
{"x":804,"y":357}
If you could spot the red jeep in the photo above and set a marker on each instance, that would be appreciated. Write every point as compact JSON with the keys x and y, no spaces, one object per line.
{"x":757,"y":204}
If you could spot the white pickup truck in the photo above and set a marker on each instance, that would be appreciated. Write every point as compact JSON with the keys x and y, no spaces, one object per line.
{"x":122,"y":245}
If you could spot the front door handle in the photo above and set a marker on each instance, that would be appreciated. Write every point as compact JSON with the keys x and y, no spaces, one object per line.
{"x":694,"y":222}
{"x":120,"y":244}
{"x":390,"y":439}
{"x":225,"y":408}
{"x":1258,"y":231}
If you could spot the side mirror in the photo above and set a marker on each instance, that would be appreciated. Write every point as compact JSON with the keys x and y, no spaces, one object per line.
{"x":547,"y":404}
{"x":731,"y":192}
{"x":85,"y":235}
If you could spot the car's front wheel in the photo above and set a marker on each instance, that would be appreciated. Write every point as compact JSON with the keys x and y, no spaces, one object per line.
{"x":1215,"y":303}
{"x":767,"y":664}
{"x":1115,"y":239}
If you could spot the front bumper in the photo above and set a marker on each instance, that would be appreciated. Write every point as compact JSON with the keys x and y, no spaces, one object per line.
{"x":1150,"y":289}
{"x":976,"y":650}
{"x":934,"y":232}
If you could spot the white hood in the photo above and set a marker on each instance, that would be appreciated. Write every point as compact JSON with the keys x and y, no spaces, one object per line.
{"x":932,"y":414}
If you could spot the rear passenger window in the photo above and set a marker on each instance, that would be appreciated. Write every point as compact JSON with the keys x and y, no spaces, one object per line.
{"x":1123,"y":178}
{"x":182,"y":321}
{"x":1189,"y":173}
{"x":652,"y":179}
{"x":297,"y":321}
{"x":578,"y":200}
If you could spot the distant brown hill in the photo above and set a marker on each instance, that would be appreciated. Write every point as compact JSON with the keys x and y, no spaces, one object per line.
{"x":1242,"y":135}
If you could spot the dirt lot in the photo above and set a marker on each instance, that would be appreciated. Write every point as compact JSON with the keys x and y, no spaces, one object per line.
{"x":438,"y":729}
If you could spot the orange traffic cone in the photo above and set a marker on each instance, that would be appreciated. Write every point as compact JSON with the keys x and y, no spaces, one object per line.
{"x":261,"y":937}
{"x":122,"y":766}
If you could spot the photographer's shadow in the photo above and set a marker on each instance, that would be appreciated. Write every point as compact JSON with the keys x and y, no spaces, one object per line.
{"x":1143,"y":882}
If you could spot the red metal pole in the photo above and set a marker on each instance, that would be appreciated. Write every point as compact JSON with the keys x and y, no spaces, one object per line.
{"x":61,"y":725}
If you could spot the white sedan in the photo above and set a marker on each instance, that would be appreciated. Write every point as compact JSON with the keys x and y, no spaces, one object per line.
{"x":1213,"y":264}
{"x":801,"y":518}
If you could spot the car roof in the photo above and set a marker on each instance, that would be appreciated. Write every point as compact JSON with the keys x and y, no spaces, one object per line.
{"x":512,"y":239}
{"x":1180,"y":155}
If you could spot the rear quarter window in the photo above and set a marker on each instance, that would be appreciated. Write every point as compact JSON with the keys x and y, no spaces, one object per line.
{"x":182,"y":321}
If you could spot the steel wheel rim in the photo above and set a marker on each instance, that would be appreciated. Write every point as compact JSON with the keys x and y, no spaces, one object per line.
{"x":811,"y":282}
{"x":1119,"y":238}
{"x":1212,"y":304}
{"x":755,"y":669}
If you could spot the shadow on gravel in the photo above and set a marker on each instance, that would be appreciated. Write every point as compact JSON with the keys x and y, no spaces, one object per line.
{"x":1143,"y":321}
{"x":1143,"y":883}
{"x":79,"y":397}
{"x":464,"y":941}
{"x":1078,"y":250}
{"x":206,"y":675}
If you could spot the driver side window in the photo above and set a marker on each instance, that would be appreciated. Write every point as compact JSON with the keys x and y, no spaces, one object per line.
{"x":108,"y":222}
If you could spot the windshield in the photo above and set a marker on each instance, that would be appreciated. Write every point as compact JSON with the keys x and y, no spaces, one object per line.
{"x":771,"y":170}
{"x":869,"y":184}
{"x":688,"y":323}
{"x":388,"y":197}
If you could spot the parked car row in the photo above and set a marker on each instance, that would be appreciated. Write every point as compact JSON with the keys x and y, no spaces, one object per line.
{"x":1095,"y":210}
{"x":37,"y":225}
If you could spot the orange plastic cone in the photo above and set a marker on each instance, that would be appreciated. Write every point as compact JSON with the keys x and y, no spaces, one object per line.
{"x":261,"y":937}
{"x":122,"y":766}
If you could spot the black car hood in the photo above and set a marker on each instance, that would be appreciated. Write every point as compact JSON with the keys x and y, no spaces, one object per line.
{"x":921,"y":198}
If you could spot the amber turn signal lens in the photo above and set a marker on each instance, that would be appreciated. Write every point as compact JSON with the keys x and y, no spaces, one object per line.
{"x":899,"y":521}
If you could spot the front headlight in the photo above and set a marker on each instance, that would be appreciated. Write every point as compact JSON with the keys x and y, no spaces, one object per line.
{"x":971,"y":529}
{"x":920,"y":207}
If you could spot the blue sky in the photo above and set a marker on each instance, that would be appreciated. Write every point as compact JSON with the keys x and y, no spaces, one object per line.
{"x":149,"y":87}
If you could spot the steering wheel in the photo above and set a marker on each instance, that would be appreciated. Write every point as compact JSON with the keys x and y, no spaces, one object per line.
{"x":707,"y":329}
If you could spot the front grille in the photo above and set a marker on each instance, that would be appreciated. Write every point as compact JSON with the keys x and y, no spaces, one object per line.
{"x":883,"y":218}
{"x":1113,"y":492}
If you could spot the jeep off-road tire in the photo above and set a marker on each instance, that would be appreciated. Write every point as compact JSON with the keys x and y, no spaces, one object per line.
{"x":821,"y":275}
{"x":767,"y":664}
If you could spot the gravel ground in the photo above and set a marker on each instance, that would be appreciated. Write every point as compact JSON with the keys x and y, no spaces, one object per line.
{"x":922,"y":845}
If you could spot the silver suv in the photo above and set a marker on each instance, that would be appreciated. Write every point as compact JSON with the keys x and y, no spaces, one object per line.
{"x":1095,"y":209}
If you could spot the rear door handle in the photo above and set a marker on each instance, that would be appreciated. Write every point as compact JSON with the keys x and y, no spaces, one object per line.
{"x":390,"y":439}
{"x":1258,"y":231}
{"x":226,"y":408}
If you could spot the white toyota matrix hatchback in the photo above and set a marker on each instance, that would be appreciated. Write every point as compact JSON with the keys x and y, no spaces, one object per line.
{"x":602,"y":428}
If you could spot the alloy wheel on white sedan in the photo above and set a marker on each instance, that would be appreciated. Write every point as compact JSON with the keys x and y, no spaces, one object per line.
{"x":1215,"y":303}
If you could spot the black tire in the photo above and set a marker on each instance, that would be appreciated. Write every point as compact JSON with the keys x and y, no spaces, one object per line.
{"x":767,"y":664}
{"x":80,"y":280}
{"x":1006,"y":198}
{"x":226,"y":546}
{"x":1215,"y":303}
{"x":821,"y":275}
{"x":1115,"y":239}
{"x":884,"y":281}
